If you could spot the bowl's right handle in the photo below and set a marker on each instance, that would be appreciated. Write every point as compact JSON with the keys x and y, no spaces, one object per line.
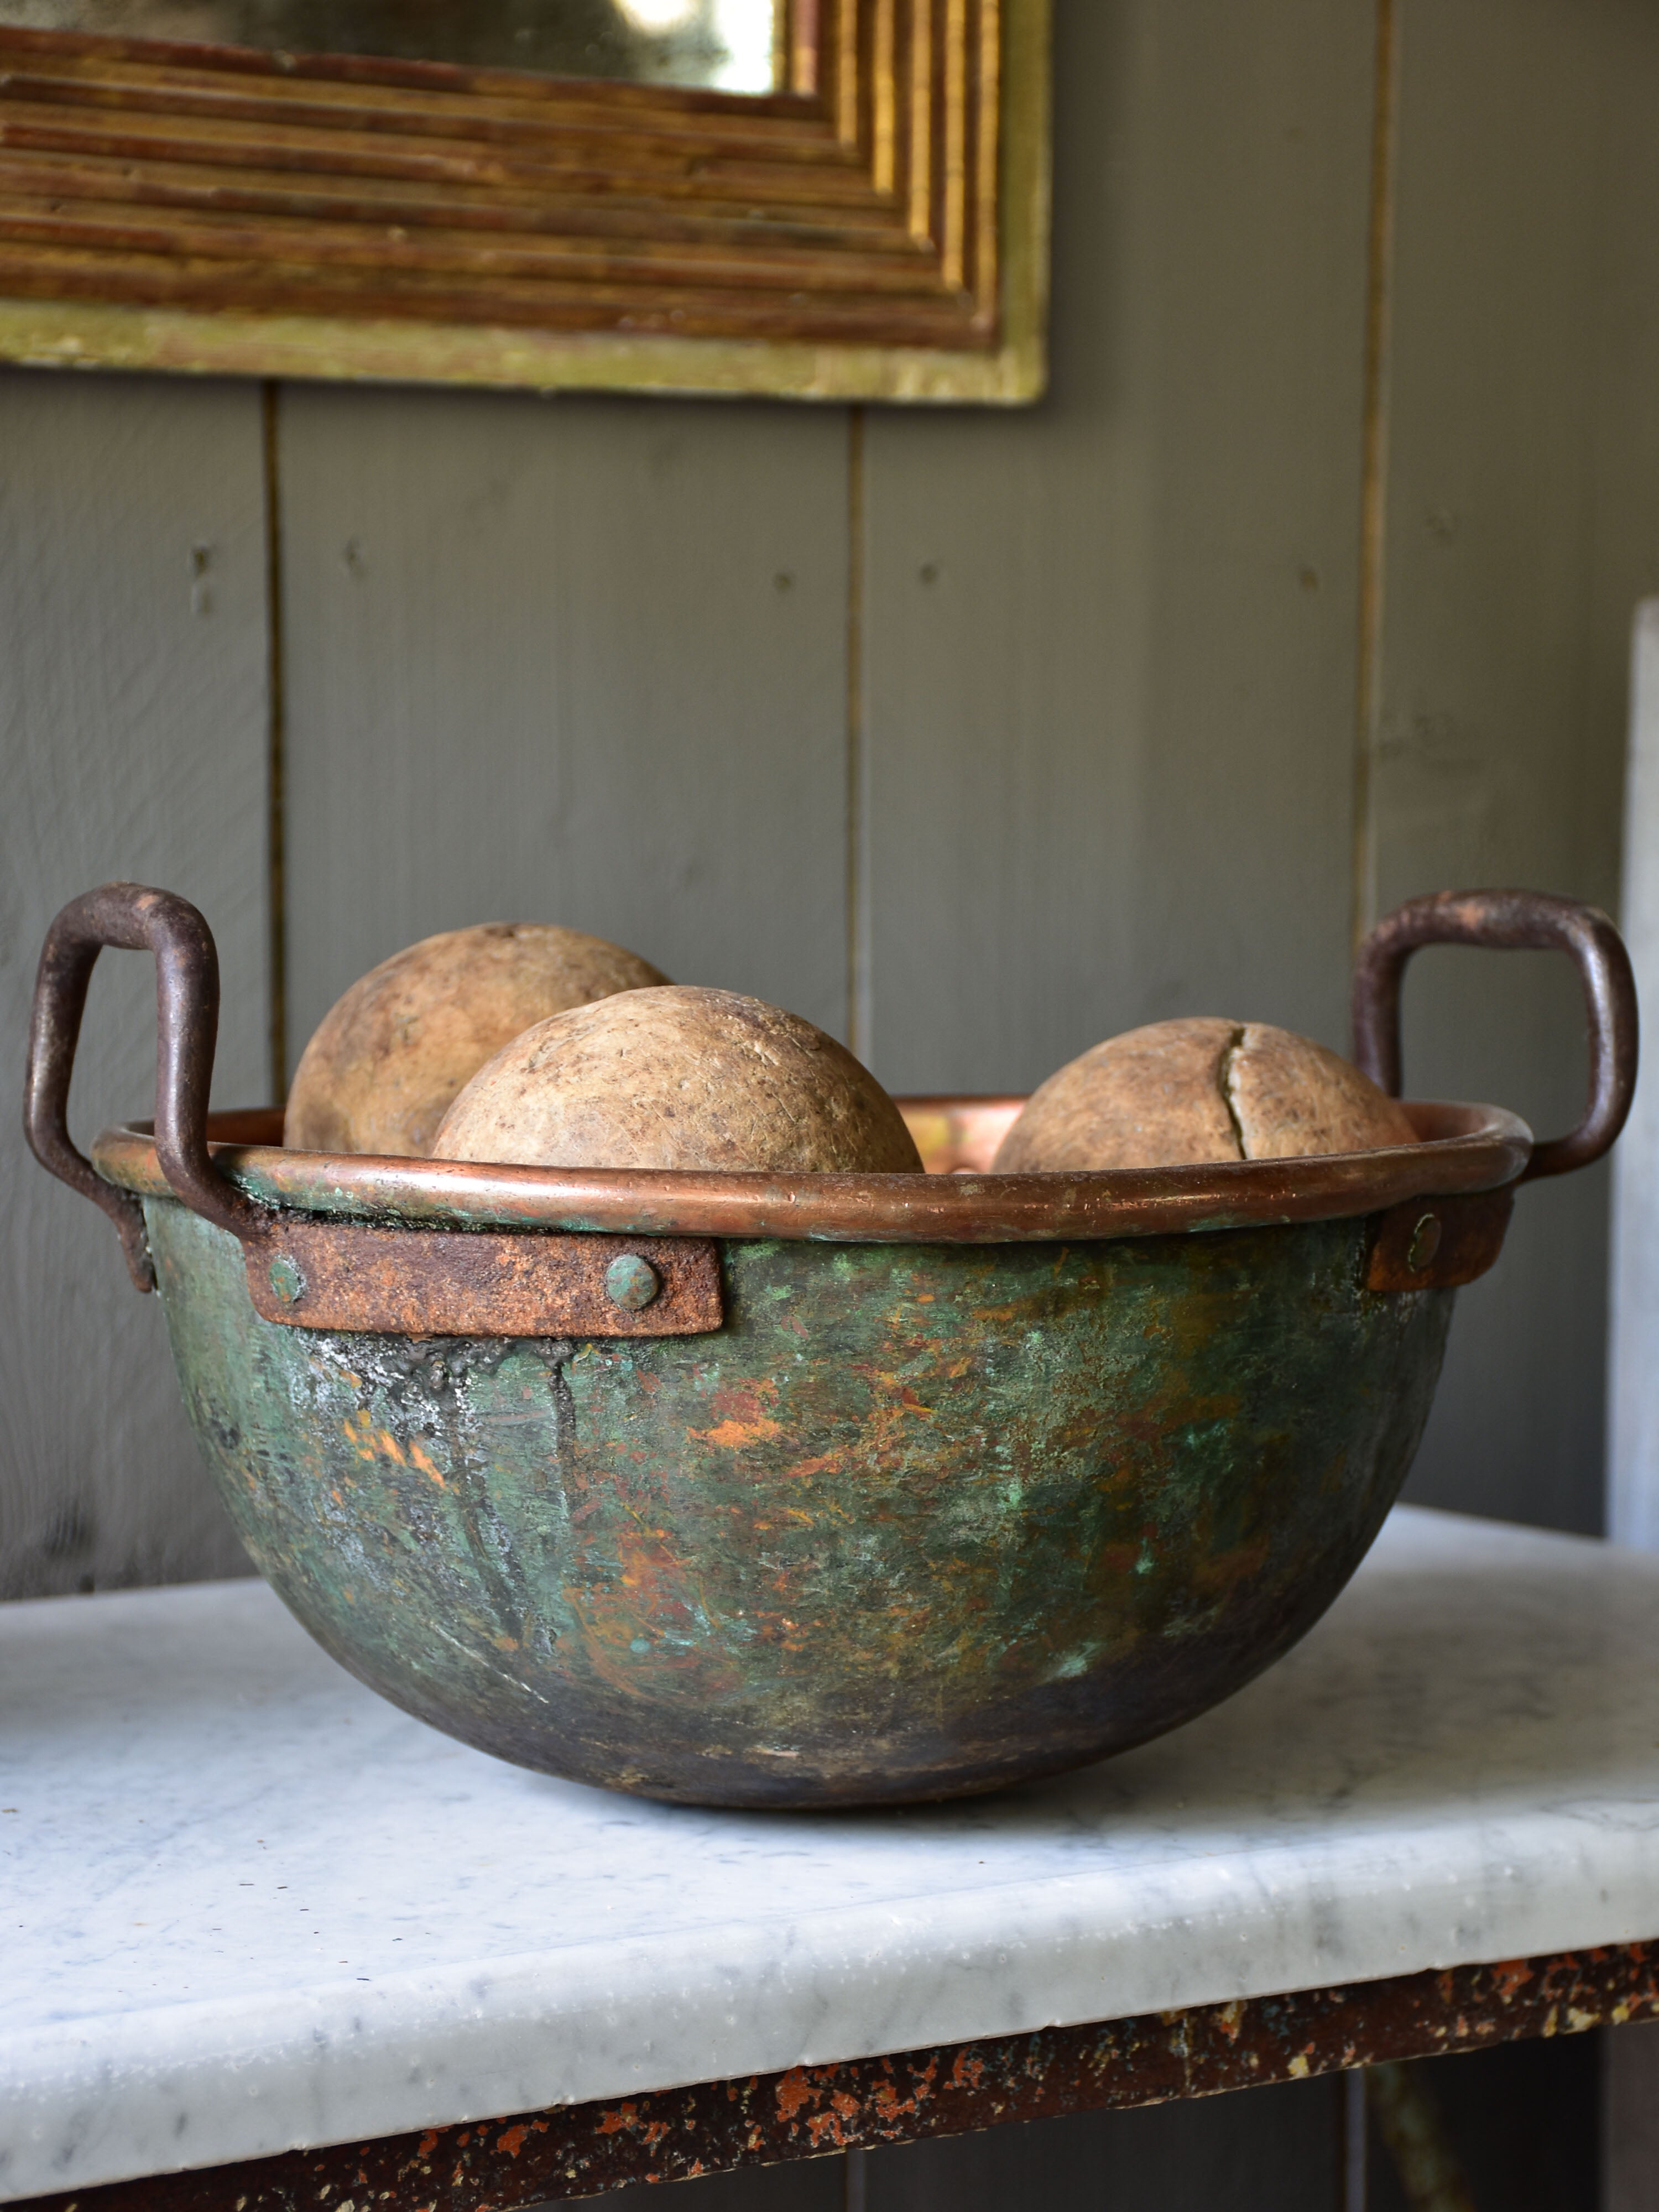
{"x":134,"y":917}
{"x":1508,"y":921}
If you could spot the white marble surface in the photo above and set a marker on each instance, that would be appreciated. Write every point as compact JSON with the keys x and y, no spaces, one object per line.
{"x":251,"y":1906}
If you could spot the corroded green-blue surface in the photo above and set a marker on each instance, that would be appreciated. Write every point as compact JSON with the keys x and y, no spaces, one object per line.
{"x":918,"y":1520}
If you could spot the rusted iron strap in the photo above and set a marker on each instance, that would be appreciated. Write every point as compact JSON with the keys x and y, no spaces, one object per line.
{"x":584,"y":2150}
{"x":415,"y":1282}
{"x":1439,"y":1243}
{"x":311,"y":1273}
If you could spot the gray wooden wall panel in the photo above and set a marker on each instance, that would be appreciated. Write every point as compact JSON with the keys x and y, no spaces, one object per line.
{"x":1265,"y":2150}
{"x":1109,"y":643}
{"x":132,"y":727}
{"x":1631,"y":2118}
{"x":1517,"y":548}
{"x":578,"y":661}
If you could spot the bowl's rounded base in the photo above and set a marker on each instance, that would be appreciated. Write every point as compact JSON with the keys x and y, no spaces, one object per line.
{"x":916,"y":1521}
{"x":986,"y":1746}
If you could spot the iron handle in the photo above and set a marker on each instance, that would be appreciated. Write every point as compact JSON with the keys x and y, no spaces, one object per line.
{"x":135,"y":919}
{"x":1510,"y":921}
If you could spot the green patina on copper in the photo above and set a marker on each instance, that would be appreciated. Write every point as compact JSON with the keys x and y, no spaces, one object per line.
{"x":918,"y":1520}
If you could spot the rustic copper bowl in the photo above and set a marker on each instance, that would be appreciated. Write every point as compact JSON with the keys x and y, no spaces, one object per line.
{"x":762,"y":1490}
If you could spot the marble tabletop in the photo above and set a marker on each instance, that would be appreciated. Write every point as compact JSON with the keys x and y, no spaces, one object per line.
{"x":251,"y":1907}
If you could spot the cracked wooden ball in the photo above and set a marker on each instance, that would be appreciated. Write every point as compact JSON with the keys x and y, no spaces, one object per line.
{"x":1200,"y":1089}
{"x":388,"y":1059}
{"x":683,"y":1077}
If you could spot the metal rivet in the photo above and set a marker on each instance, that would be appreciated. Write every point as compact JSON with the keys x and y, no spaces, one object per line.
{"x":286,"y":1280}
{"x":1425,"y":1243}
{"x":631,"y":1282}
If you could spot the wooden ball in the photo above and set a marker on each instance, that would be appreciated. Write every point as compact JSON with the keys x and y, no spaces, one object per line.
{"x":1184,"y":1091}
{"x":678,"y":1078}
{"x":388,"y":1059}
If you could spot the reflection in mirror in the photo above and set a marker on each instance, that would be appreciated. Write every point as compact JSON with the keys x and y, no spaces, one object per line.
{"x":731,"y":45}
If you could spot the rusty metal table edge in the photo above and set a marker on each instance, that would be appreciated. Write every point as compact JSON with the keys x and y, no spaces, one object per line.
{"x":811,"y":2112}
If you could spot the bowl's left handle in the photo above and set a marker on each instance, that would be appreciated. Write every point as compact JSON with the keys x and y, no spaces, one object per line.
{"x":1507,"y":921}
{"x":133,"y":917}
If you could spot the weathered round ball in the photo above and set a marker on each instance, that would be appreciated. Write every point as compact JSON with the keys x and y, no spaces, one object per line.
{"x":1202,"y":1089}
{"x":682,"y":1077}
{"x":388,"y":1059}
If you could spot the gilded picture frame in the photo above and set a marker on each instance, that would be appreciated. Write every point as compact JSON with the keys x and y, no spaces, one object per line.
{"x":877,"y":228}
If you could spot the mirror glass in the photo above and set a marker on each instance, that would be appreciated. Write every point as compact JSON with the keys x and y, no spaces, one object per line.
{"x":731,"y":45}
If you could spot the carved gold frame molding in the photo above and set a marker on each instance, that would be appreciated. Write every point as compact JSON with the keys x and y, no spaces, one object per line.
{"x":879,"y":230}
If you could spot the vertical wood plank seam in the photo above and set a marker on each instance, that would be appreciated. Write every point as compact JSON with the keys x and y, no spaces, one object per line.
{"x":858,"y":1023}
{"x":1374,"y":462}
{"x":276,"y":740}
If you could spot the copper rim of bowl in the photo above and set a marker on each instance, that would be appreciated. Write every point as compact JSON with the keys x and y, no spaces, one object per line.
{"x":1460,"y":1148}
